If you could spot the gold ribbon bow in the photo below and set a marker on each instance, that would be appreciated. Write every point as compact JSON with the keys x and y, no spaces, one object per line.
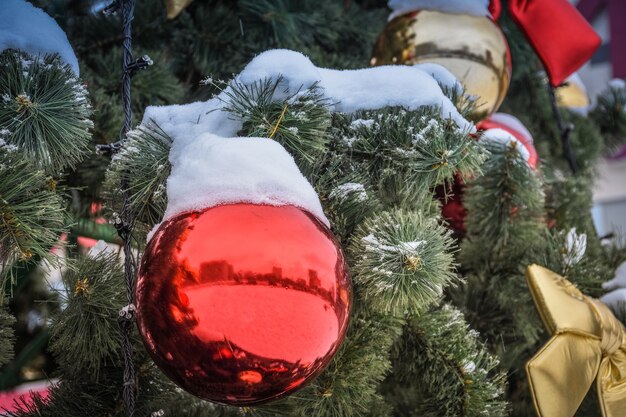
{"x":174,"y":7}
{"x":588,"y":343}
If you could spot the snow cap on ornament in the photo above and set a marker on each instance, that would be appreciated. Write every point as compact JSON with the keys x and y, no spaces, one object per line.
{"x":470,"y":7}
{"x":243,"y":294}
{"x":211,"y":170}
{"x":506,"y":129}
{"x":26,"y":28}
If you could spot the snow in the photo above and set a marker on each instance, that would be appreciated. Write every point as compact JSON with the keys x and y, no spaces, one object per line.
{"x":211,"y":166}
{"x":505,"y":138}
{"x":344,"y":190}
{"x":513,"y":122}
{"x":101,"y":248}
{"x":615,"y":299}
{"x":27,"y":28}
{"x":372,"y":243}
{"x":471,"y":7}
{"x":575,"y":247}
{"x":348,"y":90}
{"x":358,"y":123}
{"x":210,"y":170}
{"x":619,"y":280}
{"x":617,"y":84}
{"x":443,"y":76}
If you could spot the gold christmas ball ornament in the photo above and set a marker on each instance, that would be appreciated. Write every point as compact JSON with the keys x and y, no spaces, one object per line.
{"x":473,"y":48}
{"x":572,"y":94}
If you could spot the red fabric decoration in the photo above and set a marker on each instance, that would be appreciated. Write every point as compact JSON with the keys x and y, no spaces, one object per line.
{"x":560,"y":35}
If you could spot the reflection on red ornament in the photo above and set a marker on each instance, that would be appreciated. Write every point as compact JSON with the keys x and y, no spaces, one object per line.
{"x":241,"y":304}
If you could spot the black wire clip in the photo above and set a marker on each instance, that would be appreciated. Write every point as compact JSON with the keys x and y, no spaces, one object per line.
{"x":140,"y":64}
{"x":112,"y":8}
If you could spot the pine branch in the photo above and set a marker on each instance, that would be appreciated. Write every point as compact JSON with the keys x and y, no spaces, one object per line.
{"x":403,"y":153}
{"x":85,"y":335}
{"x":144,"y":163}
{"x":44,"y":110}
{"x":441,"y":369}
{"x":349,"y":386}
{"x":298,"y":120}
{"x":31,"y":213}
{"x":610,"y":115}
{"x":505,"y":223}
{"x":402,"y":261}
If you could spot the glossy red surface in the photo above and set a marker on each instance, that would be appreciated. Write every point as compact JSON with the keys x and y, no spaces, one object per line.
{"x":241,"y":304}
{"x":533,"y":157}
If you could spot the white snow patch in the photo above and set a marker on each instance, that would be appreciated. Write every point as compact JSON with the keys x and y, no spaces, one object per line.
{"x":469,"y":366}
{"x":210,"y":170}
{"x":27,"y":28}
{"x":619,"y":280}
{"x":362,"y":123}
{"x":420,"y":137}
{"x":344,"y":190}
{"x":503,"y":137}
{"x":372,"y":243}
{"x":101,"y":248}
{"x":617,"y":84}
{"x":615,"y":299}
{"x":575,"y":247}
{"x":348,"y":90}
{"x":443,"y":76}
{"x":471,"y":7}
{"x":513,"y":122}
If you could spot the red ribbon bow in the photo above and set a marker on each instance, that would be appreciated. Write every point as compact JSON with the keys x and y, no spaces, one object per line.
{"x":560,"y":35}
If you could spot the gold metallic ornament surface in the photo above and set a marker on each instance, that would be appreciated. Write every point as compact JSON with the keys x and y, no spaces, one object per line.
{"x":174,"y":7}
{"x":572,"y":96}
{"x":473,"y":48}
{"x":588,"y":343}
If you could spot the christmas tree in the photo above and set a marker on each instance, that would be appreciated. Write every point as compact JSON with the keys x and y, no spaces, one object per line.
{"x":255,"y":152}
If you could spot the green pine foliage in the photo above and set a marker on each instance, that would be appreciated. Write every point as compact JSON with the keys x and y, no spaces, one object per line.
{"x":84,"y":339}
{"x":610,"y":115}
{"x":44,"y":110}
{"x":299,"y":122}
{"x":144,"y":164}
{"x":505,"y":207}
{"x":403,"y":261}
{"x":402,"y":153}
{"x":408,"y":351}
{"x":32,"y":213}
{"x":465,"y":380}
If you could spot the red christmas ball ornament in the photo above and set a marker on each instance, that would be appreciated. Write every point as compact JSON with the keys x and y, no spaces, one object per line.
{"x":513,"y":126}
{"x":243,"y":303}
{"x":451,"y":195}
